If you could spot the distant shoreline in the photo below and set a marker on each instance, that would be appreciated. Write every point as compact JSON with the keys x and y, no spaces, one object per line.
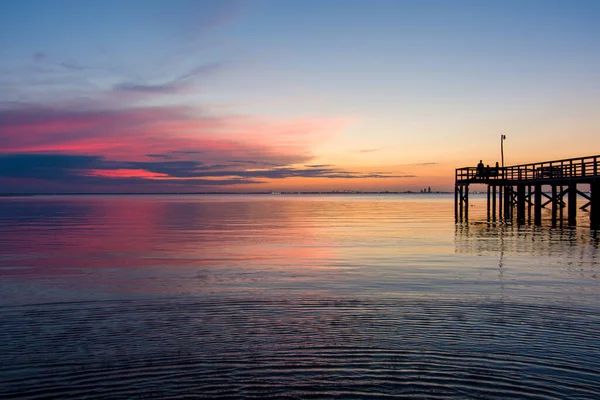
{"x":214,"y":193}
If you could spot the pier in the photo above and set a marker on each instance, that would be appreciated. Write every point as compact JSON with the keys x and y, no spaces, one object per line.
{"x":526,"y":189}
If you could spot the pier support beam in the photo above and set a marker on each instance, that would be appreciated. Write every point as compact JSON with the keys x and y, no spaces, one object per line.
{"x":489,"y":189}
{"x":494,"y":203}
{"x":461,"y":203}
{"x":537,"y":205}
{"x":572,"y":204}
{"x":456,"y":199}
{"x":466,"y":201}
{"x":500,"y":209}
{"x":561,"y":203}
{"x":507,"y":203}
{"x":529,"y":203}
{"x":595,"y":205}
{"x":521,"y":204}
{"x":555,"y":203}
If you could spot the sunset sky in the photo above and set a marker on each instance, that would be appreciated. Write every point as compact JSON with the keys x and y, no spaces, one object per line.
{"x":175,"y":96}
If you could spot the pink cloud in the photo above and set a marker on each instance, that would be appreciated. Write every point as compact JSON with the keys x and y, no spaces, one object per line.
{"x":125,"y":173}
{"x":133,"y":133}
{"x":88,"y":149}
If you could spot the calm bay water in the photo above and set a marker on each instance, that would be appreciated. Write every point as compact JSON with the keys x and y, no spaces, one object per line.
{"x":291,"y":297}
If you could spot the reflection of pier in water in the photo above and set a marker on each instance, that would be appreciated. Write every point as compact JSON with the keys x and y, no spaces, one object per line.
{"x":558,"y":253}
{"x":530,"y":187}
{"x":574,"y":246}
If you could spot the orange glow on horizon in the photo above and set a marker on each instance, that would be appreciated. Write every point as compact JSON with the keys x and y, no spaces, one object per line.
{"x":125,"y":173}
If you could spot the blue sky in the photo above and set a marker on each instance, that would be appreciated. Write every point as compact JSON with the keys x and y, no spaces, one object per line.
{"x":387,"y":95}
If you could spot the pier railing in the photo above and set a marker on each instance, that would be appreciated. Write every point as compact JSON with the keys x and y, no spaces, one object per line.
{"x":568,"y":169}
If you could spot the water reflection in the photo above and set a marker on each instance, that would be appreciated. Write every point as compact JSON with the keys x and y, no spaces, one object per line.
{"x":574,"y":245}
{"x":103,"y":246}
{"x":536,"y":264}
{"x":290,"y":297}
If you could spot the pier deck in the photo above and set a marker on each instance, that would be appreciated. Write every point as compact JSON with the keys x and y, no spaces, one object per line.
{"x":533,"y":186}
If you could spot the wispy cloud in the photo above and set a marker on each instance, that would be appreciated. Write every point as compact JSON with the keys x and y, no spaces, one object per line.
{"x":187,"y":152}
{"x":254,"y":162}
{"x":162,"y":156}
{"x":419,"y":164}
{"x":178,"y":84}
{"x":76,"y":173}
{"x":73,"y":66}
{"x":90,"y":170}
{"x":39,"y":56}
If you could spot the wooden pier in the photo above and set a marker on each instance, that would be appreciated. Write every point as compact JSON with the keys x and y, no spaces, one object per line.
{"x":526,"y":189}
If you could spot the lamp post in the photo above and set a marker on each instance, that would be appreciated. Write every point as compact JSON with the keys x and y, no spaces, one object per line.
{"x":502,"y":139}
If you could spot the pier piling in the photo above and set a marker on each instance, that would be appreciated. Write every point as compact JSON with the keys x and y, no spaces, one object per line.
{"x":537,"y":205}
{"x":555,"y":204}
{"x":572,"y":203}
{"x":521,"y":204}
{"x":494,"y":203}
{"x":595,"y":205}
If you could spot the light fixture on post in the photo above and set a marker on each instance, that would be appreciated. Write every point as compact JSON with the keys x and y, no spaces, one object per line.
{"x":502,"y":139}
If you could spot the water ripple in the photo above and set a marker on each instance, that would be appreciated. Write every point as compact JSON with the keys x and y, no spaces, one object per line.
{"x":298,"y":348}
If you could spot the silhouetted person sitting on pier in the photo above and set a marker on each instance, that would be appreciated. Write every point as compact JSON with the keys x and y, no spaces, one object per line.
{"x":480,"y":169}
{"x":496,"y":170}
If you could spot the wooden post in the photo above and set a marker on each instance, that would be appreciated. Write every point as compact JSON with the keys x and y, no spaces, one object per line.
{"x":537,"y":205}
{"x":511,"y":201}
{"x":466,"y":202}
{"x":507,"y":203}
{"x":555,"y":204}
{"x":521,"y":204}
{"x":572,"y":202}
{"x":494,"y":203}
{"x":560,"y":202}
{"x":488,"y":201}
{"x":460,"y":203}
{"x":500,"y":209}
{"x":595,"y":204}
{"x":456,"y":203}
{"x":529,"y":201}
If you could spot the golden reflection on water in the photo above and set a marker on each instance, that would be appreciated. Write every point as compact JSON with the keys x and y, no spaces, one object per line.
{"x":197,"y":245}
{"x":123,"y":245}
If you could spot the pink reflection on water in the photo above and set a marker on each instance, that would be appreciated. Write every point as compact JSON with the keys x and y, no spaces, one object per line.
{"x":167,"y":244}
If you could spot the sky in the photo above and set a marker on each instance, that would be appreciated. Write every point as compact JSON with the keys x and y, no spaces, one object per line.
{"x":286,"y":95}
